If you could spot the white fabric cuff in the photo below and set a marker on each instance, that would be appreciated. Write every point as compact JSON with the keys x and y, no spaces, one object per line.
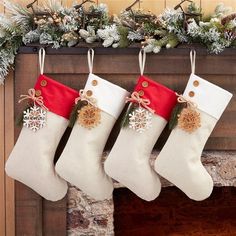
{"x":110,"y":97}
{"x":208,"y":97}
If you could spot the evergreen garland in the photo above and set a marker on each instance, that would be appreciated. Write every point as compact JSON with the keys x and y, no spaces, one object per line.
{"x":59,"y":26}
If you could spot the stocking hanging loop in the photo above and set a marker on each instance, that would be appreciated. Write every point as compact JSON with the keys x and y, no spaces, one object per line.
{"x":41,"y":60}
{"x":193,"y":60}
{"x":142,"y":60}
{"x":90,"y":59}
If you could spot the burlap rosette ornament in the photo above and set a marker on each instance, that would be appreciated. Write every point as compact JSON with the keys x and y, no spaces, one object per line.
{"x":194,"y":118}
{"x":149,"y":110}
{"x":44,"y":122}
{"x":97,"y":110}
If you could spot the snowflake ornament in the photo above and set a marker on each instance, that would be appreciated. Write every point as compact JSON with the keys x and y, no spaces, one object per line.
{"x":34,"y":118}
{"x":140,"y":120}
{"x":89,"y":116}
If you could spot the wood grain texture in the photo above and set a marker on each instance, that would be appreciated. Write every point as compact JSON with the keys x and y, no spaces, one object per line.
{"x":155,"y":6}
{"x":54,"y":218}
{"x":2,"y":163}
{"x":173,"y":3}
{"x":172,"y":214}
{"x":9,"y":143}
{"x":208,"y":7}
{"x":115,"y":7}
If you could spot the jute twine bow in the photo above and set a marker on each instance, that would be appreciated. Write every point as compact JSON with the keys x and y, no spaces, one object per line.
{"x":31,"y":95}
{"x":182,"y":99}
{"x":84,"y":97}
{"x":135,"y":97}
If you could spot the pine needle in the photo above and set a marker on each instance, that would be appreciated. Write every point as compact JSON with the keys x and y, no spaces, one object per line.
{"x":20,"y":117}
{"x":123,"y":32}
{"x":174,"y":115}
{"x":74,"y":113}
{"x":125,"y":120}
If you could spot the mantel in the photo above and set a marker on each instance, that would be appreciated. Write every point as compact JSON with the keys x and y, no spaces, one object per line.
{"x":69,"y":66}
{"x":133,"y":49}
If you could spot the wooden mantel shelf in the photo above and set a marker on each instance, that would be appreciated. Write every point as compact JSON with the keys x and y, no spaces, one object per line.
{"x":82,"y":48}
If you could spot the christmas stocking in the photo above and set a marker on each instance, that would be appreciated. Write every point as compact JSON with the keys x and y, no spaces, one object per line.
{"x":199,"y":109}
{"x":31,"y":161}
{"x":101,"y":102}
{"x":147,"y":115}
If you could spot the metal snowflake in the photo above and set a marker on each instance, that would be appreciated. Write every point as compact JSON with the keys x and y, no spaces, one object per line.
{"x":140,"y":120}
{"x":34,"y":118}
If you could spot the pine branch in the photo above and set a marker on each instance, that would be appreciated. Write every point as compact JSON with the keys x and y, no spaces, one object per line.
{"x":74,"y":113}
{"x":175,"y":115}
{"x":20,"y":118}
{"x":123,"y":32}
{"x":125,"y":120}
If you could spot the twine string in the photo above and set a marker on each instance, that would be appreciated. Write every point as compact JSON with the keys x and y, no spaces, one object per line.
{"x":135,"y":97}
{"x":32,"y":95}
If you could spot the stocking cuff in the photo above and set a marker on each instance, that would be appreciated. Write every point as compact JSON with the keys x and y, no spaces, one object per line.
{"x":109,"y":97}
{"x":162,"y":99}
{"x":57,"y":97}
{"x":208,"y":97}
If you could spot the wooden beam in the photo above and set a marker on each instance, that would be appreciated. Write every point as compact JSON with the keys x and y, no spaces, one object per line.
{"x":9,"y":143}
{"x":2,"y":164}
{"x":2,"y":160}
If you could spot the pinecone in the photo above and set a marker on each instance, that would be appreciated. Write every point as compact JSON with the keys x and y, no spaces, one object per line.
{"x":228,"y":18}
{"x":230,"y":35}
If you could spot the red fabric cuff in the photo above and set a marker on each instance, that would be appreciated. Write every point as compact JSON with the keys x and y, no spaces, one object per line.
{"x":57,"y":97}
{"x":162,"y":98}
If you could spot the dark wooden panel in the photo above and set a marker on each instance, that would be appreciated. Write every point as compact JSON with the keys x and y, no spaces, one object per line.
{"x":173,"y":214}
{"x":28,"y":211}
{"x":128,"y":64}
{"x":54,"y":218}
